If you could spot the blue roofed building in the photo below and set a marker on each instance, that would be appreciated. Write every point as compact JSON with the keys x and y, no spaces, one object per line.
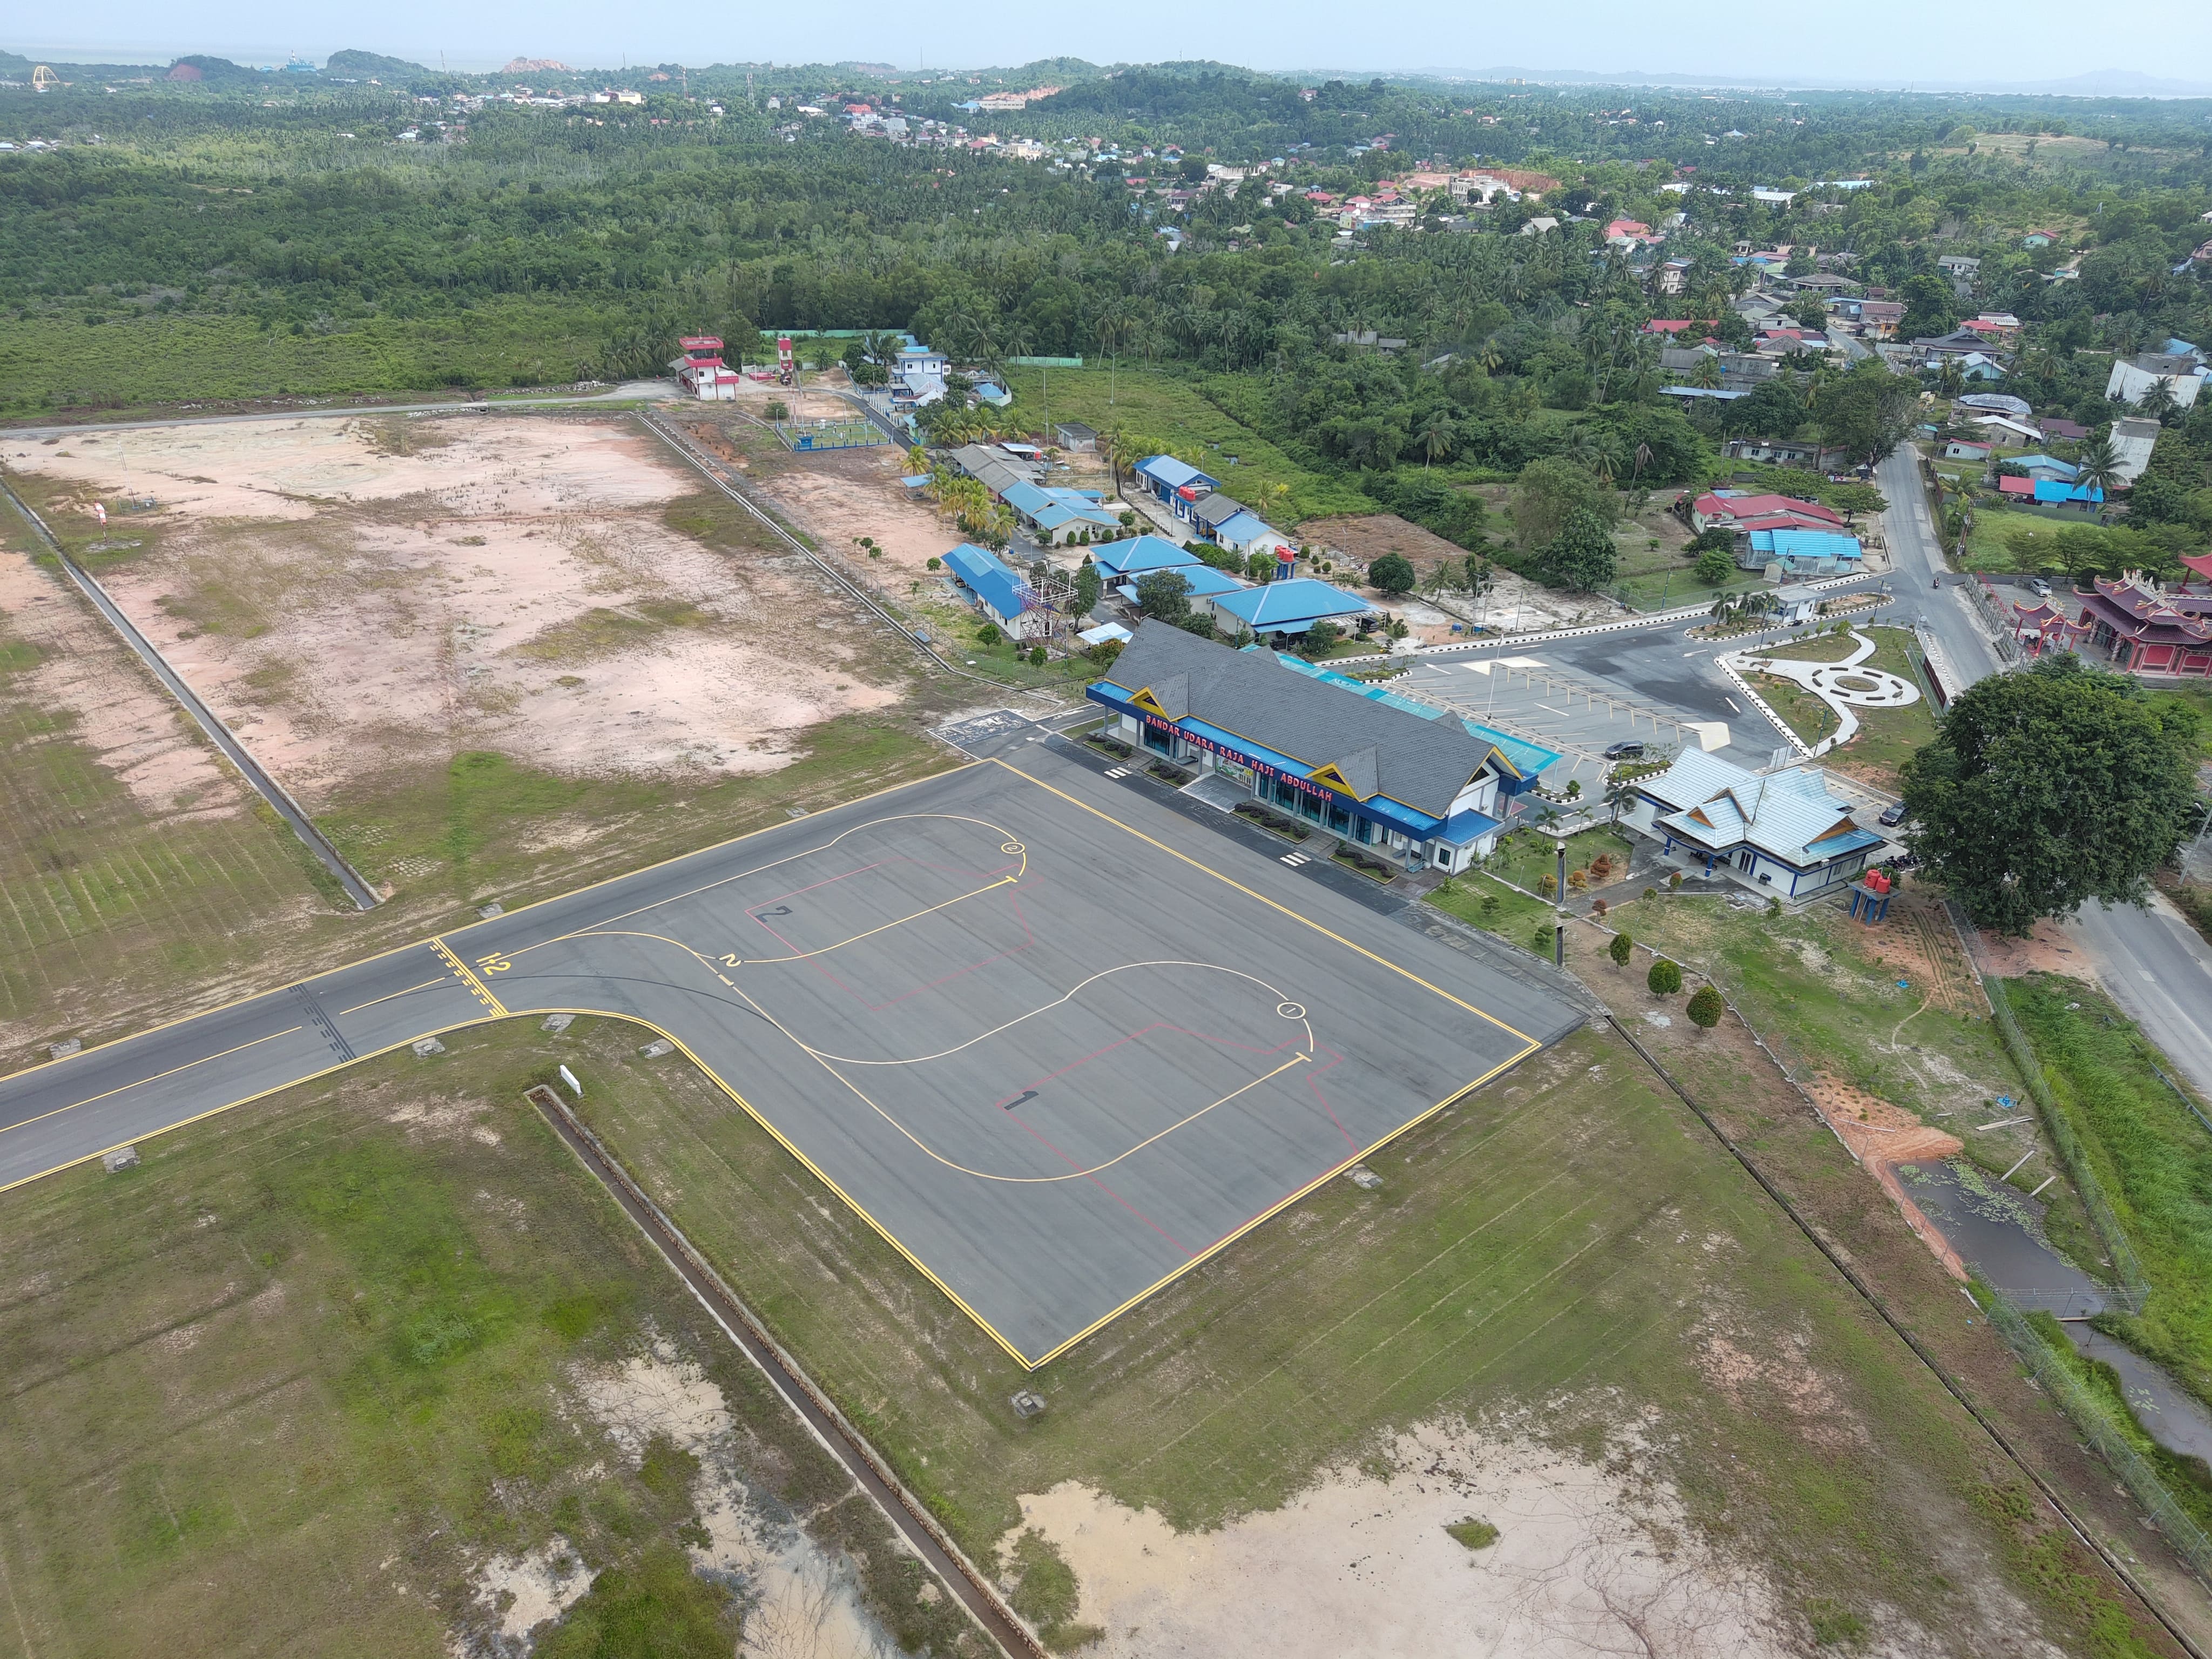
{"x":1178,"y":483}
{"x":1287,"y":609}
{"x":1786,"y":834}
{"x":1804,"y":553}
{"x":1059,"y":515}
{"x":1121,"y":562}
{"x":1377,"y":771}
{"x":998,"y":591}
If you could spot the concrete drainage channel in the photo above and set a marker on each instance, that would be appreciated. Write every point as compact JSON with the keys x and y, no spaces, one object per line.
{"x":267,"y":787}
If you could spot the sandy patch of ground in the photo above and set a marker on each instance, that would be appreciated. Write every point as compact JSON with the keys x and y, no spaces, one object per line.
{"x":1513,"y":605}
{"x":120,"y":715}
{"x":524,"y":1591}
{"x":1585,"y":1563}
{"x":839,"y":498}
{"x":350,"y":594}
{"x":800,"y":1601}
{"x":1882,"y":1136}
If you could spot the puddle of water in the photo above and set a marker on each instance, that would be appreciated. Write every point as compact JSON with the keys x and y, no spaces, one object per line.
{"x":1999,"y":1233}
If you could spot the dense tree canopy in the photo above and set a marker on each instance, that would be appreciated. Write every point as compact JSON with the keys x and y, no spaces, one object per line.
{"x":2047,"y":788}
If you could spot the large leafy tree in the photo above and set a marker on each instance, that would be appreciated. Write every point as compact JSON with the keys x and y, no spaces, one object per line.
{"x":1931,"y":308}
{"x":2048,"y":787}
{"x":1581,"y":557}
{"x":1547,"y":491}
{"x":1164,"y":594}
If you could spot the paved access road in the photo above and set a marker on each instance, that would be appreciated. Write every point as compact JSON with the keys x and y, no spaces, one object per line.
{"x":1056,"y":1042}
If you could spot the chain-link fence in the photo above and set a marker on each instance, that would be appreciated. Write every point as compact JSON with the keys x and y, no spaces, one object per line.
{"x":2065,"y":1387}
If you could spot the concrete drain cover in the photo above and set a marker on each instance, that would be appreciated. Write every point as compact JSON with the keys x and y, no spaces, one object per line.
{"x":122,"y":1157}
{"x":655,"y":1050}
{"x":1361,"y":1177}
{"x":425,"y":1047}
{"x":1027,"y":1403}
{"x":488,"y":911}
{"x":64,"y":1049}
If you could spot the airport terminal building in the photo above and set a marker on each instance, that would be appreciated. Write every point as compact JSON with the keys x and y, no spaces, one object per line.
{"x":1366,"y":764}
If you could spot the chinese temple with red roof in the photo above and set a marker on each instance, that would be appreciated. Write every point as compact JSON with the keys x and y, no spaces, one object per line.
{"x":2146,"y":632}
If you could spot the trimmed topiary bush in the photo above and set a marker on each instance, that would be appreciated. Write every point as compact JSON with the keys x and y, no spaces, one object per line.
{"x":1665,"y":977}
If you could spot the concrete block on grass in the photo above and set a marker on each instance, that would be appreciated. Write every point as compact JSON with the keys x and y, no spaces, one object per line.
{"x":557,"y":1023}
{"x":655,"y":1050}
{"x":122,"y":1157}
{"x":425,"y":1047}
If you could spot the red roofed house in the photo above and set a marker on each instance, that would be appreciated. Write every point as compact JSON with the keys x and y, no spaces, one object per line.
{"x":1735,"y":510}
{"x":2145,"y":632}
{"x":1664,"y":326}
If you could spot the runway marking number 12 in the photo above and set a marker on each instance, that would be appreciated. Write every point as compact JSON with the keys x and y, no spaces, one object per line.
{"x":494,"y":963}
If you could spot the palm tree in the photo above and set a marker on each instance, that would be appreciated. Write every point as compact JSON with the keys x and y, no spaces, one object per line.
{"x":2098,"y":467}
{"x":2158,"y":402}
{"x":1707,"y":374}
{"x":1490,"y":357}
{"x":1436,"y":436}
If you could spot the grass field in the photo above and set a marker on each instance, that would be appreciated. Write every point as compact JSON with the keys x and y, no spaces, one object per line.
{"x":1988,"y":546}
{"x":1160,"y":410}
{"x":133,"y":360}
{"x":113,"y":898}
{"x":321,"y":1373}
{"x":2152,"y":1153}
{"x":1525,"y":1258}
{"x":1824,"y":992}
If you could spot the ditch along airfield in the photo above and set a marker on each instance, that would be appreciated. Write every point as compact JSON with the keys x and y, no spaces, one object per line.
{"x":1055,"y":1060}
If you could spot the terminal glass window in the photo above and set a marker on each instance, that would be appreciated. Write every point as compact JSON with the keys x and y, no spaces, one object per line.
{"x":1286,"y":796}
{"x":1157,"y":739}
{"x":1340,"y":821}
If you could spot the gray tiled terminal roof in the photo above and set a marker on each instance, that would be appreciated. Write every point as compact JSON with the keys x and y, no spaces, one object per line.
{"x":1377,"y":749}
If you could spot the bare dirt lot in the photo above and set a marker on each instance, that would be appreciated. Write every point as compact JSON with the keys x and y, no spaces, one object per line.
{"x":346,"y":593}
{"x":841,"y":496}
{"x":1513,"y":603}
{"x":1584,"y":1561}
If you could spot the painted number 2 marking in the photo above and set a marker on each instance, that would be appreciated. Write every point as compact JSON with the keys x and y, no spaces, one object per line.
{"x":729,"y":962}
{"x":494,"y":963}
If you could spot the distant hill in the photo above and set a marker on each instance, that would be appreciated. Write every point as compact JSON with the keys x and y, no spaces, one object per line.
{"x":371,"y":63}
{"x":215,"y":71}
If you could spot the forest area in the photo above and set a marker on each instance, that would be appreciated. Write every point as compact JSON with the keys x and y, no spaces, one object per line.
{"x":201,"y":243}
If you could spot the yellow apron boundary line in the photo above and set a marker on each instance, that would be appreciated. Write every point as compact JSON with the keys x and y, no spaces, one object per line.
{"x":1277,"y":1207}
{"x":1282,"y":909}
{"x":430,"y":941}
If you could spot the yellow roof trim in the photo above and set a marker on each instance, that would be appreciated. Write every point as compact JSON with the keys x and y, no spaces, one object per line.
{"x":1143,"y":699}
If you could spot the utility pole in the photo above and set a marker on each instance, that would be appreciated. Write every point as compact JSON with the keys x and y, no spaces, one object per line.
{"x":1559,"y":932}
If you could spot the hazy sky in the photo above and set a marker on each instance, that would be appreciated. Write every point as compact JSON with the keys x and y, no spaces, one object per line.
{"x":1877,"y":42}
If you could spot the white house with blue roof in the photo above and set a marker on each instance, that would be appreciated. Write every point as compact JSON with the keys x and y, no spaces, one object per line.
{"x":1178,"y":483}
{"x":1058,"y":514}
{"x":1787,"y":833}
{"x":1287,"y":609}
{"x":998,"y":592}
{"x":1124,"y":561}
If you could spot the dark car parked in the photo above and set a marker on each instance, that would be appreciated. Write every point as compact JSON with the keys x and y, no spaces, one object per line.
{"x":1892,"y":817}
{"x":1625,"y":751}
